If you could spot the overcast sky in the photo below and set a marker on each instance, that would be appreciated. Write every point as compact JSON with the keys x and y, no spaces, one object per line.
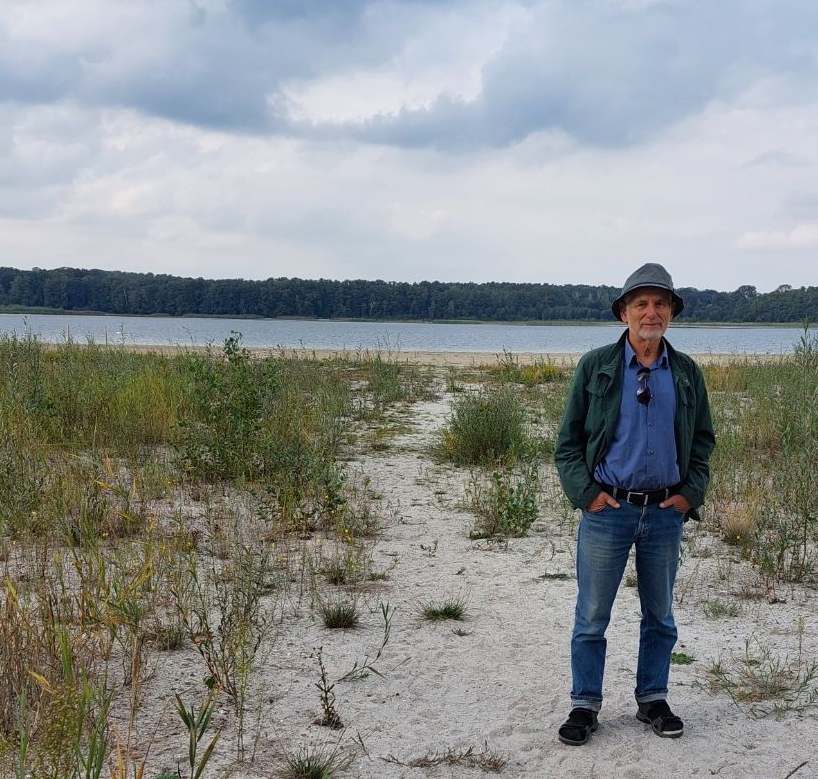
{"x":561,"y":141}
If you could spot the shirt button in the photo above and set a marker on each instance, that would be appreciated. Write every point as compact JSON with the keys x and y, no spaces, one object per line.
{"x":650,"y":451}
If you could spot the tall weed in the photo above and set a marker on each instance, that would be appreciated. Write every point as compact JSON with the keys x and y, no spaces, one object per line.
{"x":485,"y":428}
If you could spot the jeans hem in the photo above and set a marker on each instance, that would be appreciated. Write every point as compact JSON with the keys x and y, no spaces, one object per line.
{"x":594,"y":704}
{"x":651,"y":697}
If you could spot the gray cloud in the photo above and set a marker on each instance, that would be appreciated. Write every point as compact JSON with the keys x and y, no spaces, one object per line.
{"x":779,"y":157}
{"x":42,"y":155}
{"x":344,"y":13}
{"x":34,"y":75}
{"x":803,"y":204}
{"x":259,"y":12}
{"x":602,"y":72}
{"x":203,"y":68}
{"x":609,"y":76}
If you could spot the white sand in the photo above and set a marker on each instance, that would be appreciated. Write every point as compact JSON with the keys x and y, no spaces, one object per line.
{"x":505,"y":685}
{"x":442,"y":359}
{"x":478,"y":359}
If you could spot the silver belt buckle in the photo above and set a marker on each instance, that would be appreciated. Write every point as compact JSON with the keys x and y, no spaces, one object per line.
{"x":644,"y":496}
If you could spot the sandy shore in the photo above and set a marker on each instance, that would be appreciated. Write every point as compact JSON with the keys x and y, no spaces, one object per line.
{"x":500,"y":681}
{"x":451,"y":697}
{"x":446,"y":359}
{"x":481,"y":359}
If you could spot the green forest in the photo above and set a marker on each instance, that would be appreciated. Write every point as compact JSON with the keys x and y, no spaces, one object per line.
{"x":116,"y":292}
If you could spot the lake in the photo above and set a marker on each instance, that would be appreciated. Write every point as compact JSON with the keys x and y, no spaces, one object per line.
{"x":395,"y":336}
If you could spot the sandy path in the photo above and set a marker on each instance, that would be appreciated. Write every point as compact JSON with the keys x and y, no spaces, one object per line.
{"x":504,"y":686}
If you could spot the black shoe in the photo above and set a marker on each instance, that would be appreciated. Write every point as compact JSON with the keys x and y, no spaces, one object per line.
{"x":658,"y":715}
{"x":577,"y":729}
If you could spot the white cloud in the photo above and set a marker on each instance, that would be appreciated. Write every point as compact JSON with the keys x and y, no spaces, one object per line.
{"x":416,"y":223}
{"x":438,"y":53}
{"x":803,"y":236}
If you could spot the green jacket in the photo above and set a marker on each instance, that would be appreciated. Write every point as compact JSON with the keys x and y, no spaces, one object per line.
{"x":592,"y":412}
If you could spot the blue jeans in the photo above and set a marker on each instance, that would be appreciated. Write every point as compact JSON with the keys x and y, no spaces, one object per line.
{"x":603,"y":545}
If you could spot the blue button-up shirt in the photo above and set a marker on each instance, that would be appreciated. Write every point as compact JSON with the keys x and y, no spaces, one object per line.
{"x":642,"y":454}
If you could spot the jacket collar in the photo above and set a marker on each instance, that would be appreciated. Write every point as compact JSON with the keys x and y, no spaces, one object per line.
{"x":612,"y":366}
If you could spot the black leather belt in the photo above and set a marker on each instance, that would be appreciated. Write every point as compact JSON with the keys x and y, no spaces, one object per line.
{"x":640,"y":497}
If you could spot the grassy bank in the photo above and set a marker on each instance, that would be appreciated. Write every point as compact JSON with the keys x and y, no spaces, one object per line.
{"x":152,"y":502}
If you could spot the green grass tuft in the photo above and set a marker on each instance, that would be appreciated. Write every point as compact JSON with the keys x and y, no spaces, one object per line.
{"x":448,"y":608}
{"x":340,"y":615}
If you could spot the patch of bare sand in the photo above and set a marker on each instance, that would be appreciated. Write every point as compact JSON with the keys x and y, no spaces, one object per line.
{"x":448,"y":359}
{"x":500,"y":681}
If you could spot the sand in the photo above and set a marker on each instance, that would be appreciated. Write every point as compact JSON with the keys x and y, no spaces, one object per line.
{"x":497,"y":685}
{"x":436,"y":359}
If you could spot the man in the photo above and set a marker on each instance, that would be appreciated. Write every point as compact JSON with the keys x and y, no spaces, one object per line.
{"x":632,"y":453}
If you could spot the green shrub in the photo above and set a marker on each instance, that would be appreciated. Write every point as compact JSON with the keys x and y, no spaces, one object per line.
{"x":486,"y":428}
{"x":276,"y":422}
{"x":509,"y":505}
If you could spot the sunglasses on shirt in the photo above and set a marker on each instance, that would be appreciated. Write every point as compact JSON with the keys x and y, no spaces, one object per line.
{"x":643,"y":393}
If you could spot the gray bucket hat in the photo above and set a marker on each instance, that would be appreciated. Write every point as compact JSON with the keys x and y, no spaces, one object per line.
{"x":651,"y":274}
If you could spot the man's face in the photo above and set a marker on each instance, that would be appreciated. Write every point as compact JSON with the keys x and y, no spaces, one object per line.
{"x":647,"y":313}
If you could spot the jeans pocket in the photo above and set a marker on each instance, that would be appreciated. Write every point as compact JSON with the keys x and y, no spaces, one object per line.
{"x":602,"y":510}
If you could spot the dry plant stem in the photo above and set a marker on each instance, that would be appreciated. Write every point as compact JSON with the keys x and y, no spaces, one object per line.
{"x":761,"y":683}
{"x":124,"y":760}
{"x":330,"y":718}
{"x":797,"y":768}
{"x":226,"y":621}
{"x":59,"y":688}
{"x":486,"y":760}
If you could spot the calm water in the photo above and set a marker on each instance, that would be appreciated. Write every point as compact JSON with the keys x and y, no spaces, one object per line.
{"x":397,"y":336}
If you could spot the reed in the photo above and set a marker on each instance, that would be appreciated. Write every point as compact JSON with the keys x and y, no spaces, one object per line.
{"x":763,"y":496}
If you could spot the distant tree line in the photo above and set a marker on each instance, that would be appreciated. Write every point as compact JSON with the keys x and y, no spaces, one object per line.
{"x":116,"y":292}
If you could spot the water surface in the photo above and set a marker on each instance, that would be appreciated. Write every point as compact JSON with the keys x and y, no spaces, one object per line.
{"x":397,"y":336}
